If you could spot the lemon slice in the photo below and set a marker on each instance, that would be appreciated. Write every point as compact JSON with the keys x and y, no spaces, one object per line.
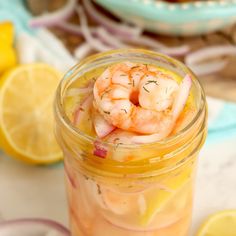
{"x":26,"y":115}
{"x":222,"y":223}
{"x":157,"y":198}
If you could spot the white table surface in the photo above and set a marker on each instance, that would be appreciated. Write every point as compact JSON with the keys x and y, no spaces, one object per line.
{"x":33,"y":191}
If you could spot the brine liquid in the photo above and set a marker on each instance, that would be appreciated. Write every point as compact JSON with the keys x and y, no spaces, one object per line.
{"x":160,"y":209}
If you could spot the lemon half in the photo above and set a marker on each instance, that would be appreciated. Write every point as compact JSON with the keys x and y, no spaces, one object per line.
{"x":26,"y":113}
{"x":222,"y":223}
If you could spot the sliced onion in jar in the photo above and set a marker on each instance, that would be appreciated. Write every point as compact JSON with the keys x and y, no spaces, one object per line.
{"x":32,"y":227}
{"x":99,"y":150}
{"x":87,"y":89}
{"x":78,"y":91}
{"x":101,"y":126}
{"x":83,"y":110}
{"x":50,"y":19}
{"x":182,"y":96}
{"x":154,"y":44}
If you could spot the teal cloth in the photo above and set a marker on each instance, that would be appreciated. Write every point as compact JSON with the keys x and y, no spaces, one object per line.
{"x":15,"y":11}
{"x":224,"y":126}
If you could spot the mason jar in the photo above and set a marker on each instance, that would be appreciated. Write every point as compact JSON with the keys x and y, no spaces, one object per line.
{"x":150,"y":194}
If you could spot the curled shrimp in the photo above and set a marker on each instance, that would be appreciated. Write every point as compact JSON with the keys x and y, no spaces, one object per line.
{"x":140,"y":99}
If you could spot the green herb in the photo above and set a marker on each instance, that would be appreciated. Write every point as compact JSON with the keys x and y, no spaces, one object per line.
{"x":81,"y":109}
{"x":124,"y":110}
{"x":116,"y":139}
{"x":146,"y":66}
{"x":118,"y":144}
{"x":123,"y":75}
{"x":151,"y":81}
{"x":134,"y":67}
{"x":146,"y":89}
{"x":86,"y":177}
{"x":105,"y":93}
{"x":99,"y":189}
{"x":107,"y":112}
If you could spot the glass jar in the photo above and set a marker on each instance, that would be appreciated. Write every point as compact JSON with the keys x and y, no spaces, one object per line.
{"x":151,"y":195}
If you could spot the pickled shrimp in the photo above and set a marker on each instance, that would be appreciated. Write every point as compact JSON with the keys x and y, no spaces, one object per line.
{"x":140,"y":99}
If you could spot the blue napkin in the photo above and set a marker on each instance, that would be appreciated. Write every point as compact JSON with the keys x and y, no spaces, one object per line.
{"x":15,"y":11}
{"x":222,"y":120}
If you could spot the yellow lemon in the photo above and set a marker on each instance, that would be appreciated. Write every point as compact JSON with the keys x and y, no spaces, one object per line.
{"x":157,"y":200}
{"x":7,"y":58}
{"x":7,"y":33}
{"x":26,"y":114}
{"x":222,"y":223}
{"x":7,"y":52}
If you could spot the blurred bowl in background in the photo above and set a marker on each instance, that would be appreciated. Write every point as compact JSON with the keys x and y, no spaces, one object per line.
{"x":177,"y":19}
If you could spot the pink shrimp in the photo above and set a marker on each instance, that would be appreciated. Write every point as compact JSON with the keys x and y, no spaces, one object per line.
{"x":140,"y":99}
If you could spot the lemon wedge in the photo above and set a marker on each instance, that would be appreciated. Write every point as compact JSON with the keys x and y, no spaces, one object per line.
{"x":157,"y":198}
{"x":222,"y":223}
{"x":26,"y":115}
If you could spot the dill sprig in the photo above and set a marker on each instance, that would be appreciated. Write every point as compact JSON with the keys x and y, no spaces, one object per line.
{"x":151,"y":81}
{"x":146,"y":89}
{"x":107,"y":112}
{"x":124,"y":110}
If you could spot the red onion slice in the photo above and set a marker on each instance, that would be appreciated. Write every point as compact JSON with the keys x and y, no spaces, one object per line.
{"x":110,"y":39}
{"x":83,"y":110}
{"x":141,"y":139}
{"x":175,"y":51}
{"x":99,"y":150}
{"x":74,"y":28}
{"x":110,"y":25}
{"x":78,"y":91}
{"x":182,"y":96}
{"x":193,"y":59}
{"x":208,"y":67}
{"x":101,"y":126}
{"x":94,"y":42}
{"x":32,"y":227}
{"x":50,"y":19}
{"x":210,"y":52}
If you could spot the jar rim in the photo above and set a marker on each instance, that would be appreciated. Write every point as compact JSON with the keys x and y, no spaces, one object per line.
{"x":59,"y":110}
